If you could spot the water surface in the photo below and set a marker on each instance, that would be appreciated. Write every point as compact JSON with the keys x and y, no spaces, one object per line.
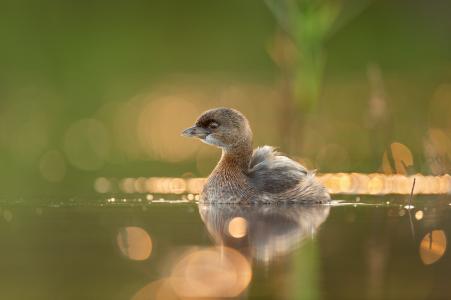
{"x":368,"y":249}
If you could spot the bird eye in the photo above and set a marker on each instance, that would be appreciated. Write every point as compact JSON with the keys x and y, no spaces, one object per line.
{"x":213,"y":125}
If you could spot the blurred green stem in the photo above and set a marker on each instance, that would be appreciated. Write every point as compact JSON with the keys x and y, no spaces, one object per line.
{"x":309,"y":24}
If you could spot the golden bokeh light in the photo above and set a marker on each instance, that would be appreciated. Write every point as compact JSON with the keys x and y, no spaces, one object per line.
{"x":401,"y":184}
{"x":388,"y":184}
{"x":237,"y":227}
{"x":102,"y":185}
{"x":161,"y":185}
{"x":177,"y":186}
{"x":433,"y":246}
{"x":445,"y":184}
{"x":360,"y":182}
{"x":332,"y":182}
{"x":139,"y":185}
{"x":145,"y":125}
{"x":419,"y":215}
{"x":402,"y":158}
{"x":217,"y":272}
{"x":336,"y":183}
{"x":432,"y":184}
{"x":196,"y":185}
{"x":134,"y":243}
{"x":127,"y":185}
{"x":159,"y":130}
{"x":344,"y":182}
{"x":52,"y":166}
{"x":376,"y":184}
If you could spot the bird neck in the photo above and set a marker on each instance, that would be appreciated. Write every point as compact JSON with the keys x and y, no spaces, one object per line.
{"x":238,"y":156}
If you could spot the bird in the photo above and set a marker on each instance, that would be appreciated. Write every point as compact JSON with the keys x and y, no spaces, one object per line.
{"x":244,"y":175}
{"x":262,"y":233}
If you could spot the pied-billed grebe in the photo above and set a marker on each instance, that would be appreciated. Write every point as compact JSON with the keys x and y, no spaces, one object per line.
{"x":262,"y":232}
{"x":246,"y":176}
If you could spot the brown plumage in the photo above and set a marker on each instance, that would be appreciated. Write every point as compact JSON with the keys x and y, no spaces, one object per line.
{"x":246,"y":176}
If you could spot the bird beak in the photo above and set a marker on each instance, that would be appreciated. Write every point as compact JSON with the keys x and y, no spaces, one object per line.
{"x":195,"y":131}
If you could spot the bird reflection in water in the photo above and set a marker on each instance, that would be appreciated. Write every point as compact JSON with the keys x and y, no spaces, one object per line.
{"x":262,"y":232}
{"x":243,"y":234}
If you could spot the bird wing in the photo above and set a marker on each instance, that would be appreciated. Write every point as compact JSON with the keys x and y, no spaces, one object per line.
{"x":272,"y":172}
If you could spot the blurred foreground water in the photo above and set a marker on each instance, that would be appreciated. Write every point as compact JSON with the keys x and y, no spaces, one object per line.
{"x":136,"y":249}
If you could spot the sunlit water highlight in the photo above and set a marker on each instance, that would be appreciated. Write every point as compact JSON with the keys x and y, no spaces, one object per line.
{"x":336,"y":183}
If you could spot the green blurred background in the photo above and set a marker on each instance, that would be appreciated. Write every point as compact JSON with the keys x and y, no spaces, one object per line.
{"x":103,"y":89}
